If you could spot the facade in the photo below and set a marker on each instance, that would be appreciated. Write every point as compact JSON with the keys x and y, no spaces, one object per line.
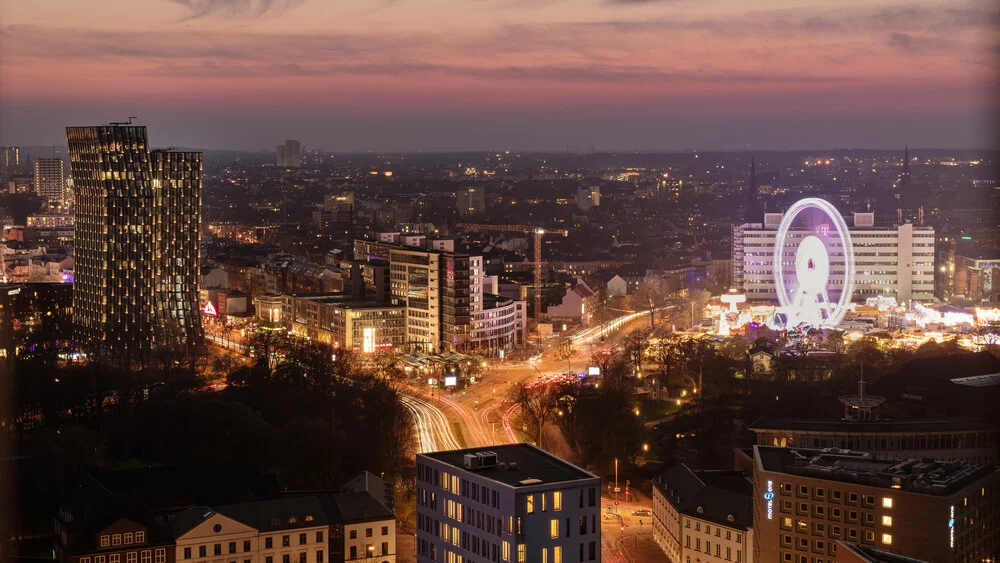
{"x":111,"y":529}
{"x":292,"y":530}
{"x":138,"y":224}
{"x":362,"y":530}
{"x":513,"y":503}
{"x":289,"y":154}
{"x":470,"y":200}
{"x":579,"y":304}
{"x":588,"y":197}
{"x":807,"y":501}
{"x":336,"y":216}
{"x":890,"y":261}
{"x":343,"y":322}
{"x":703,"y":516}
{"x":500,"y":323}
{"x":50,"y":179}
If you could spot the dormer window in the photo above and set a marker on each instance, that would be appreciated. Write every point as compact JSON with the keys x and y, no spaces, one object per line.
{"x":309,"y":518}
{"x":292,"y":520}
{"x":105,"y":540}
{"x":116,"y":539}
{"x":140,"y":536}
{"x":127,"y":538}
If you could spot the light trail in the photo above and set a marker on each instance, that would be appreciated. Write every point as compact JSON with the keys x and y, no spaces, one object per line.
{"x":432,"y":427}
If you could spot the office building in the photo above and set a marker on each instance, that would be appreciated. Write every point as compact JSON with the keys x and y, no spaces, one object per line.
{"x":703,"y":515}
{"x":344,"y":322}
{"x":138,"y":228}
{"x":890,"y":261}
{"x":289,"y":154}
{"x":512,"y":503}
{"x":470,"y":200}
{"x":588,"y":197}
{"x":10,"y":160}
{"x":336,"y":216}
{"x":806,"y":501}
{"x":50,"y":179}
{"x":942,"y":438}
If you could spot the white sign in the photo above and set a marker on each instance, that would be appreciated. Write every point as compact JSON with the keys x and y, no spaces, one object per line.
{"x":450,"y":381}
{"x":368,"y":341}
{"x":593,"y":371}
{"x":769,"y":497}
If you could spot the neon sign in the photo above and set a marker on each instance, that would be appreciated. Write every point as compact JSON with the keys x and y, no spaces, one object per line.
{"x":769,"y":497}
{"x":951,"y":527}
{"x":210,"y":310}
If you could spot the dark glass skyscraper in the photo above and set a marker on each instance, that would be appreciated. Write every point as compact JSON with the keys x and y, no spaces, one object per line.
{"x":138,"y":222}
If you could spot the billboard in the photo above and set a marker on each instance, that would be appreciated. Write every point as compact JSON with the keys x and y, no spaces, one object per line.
{"x":450,"y":381}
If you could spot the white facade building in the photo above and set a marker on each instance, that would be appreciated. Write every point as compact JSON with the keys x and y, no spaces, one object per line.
{"x":890,"y":261}
{"x":588,"y":197}
{"x":703,"y":516}
{"x":513,"y":503}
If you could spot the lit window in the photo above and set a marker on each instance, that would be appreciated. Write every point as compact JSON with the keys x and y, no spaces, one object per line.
{"x":886,"y":502}
{"x":554,"y":528}
{"x":887,"y":539}
{"x":887,"y":520}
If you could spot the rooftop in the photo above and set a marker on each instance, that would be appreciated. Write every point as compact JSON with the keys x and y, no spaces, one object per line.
{"x":723,"y":497}
{"x":519,"y":465}
{"x":287,"y":513}
{"x":946,"y":425}
{"x":939,"y":478}
{"x":343,"y":300}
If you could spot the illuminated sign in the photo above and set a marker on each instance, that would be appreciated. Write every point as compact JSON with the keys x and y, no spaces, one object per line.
{"x":593,"y":371}
{"x":368,"y":344}
{"x":450,"y":381}
{"x":951,"y":527}
{"x":769,"y":497}
{"x":14,"y":291}
{"x":210,"y":310}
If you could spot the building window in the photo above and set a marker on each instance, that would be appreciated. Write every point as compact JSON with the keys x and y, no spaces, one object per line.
{"x":131,"y":557}
{"x":886,"y":502}
{"x":302,"y":539}
{"x":160,"y":555}
{"x":887,"y":521}
{"x":385,"y":548}
{"x":140,"y":537}
{"x":246,"y":546}
{"x":105,"y":540}
{"x":557,"y":554}
{"x":385,"y":530}
{"x":319,"y":556}
{"x":530,"y":500}
{"x":232,"y":547}
{"x":554,"y":529}
{"x":557,"y":501}
{"x":127,"y":538}
{"x":116,"y":539}
{"x":319,"y":537}
{"x":286,"y":541}
{"x":354,"y":534}
{"x":202,"y":551}
{"x":887,"y":539}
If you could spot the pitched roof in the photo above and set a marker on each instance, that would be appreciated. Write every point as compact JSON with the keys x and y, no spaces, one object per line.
{"x":723,"y":497}
{"x":348,"y":508}
{"x":283,"y":514}
{"x":99,"y":512}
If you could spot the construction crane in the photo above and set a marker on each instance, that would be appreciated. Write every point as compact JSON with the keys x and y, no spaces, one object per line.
{"x":539,"y":233}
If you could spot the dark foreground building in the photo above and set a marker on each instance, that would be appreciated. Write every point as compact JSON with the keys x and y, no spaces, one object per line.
{"x":138,"y":218}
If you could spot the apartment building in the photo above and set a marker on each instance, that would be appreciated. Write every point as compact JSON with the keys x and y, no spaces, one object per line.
{"x":808,"y":501}
{"x":115,"y":529}
{"x":703,"y":516}
{"x":343,"y":322}
{"x":890,"y":261}
{"x":511,"y":503}
{"x":292,"y":530}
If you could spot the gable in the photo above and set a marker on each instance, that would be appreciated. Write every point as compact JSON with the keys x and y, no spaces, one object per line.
{"x":207,"y":529}
{"x":122,"y":525}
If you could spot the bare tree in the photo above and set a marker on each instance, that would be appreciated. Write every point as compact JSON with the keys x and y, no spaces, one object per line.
{"x":538,"y":402}
{"x":651,"y":294}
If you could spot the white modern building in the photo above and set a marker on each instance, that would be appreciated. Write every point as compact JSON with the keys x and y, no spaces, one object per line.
{"x":511,"y":503}
{"x":703,"y":516}
{"x":588,"y":197}
{"x":890,"y":260}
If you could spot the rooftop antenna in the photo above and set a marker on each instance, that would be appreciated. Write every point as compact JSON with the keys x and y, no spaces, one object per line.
{"x":129,"y":122}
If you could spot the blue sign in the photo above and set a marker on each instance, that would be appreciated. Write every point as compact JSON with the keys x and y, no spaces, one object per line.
{"x":768,"y":495}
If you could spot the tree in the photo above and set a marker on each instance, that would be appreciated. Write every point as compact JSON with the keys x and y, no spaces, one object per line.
{"x":538,"y":402}
{"x":651,"y":294}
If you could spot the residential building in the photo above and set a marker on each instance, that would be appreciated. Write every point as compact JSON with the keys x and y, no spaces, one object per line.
{"x":138,"y":228}
{"x":578,"y":305}
{"x":890,"y":261}
{"x":345,"y":322}
{"x":336,"y":215}
{"x":470,"y":200}
{"x":10,"y":160}
{"x":50,"y":179}
{"x":202,"y":535}
{"x":111,"y":529}
{"x":588,"y":197}
{"x":806,"y":501}
{"x":703,"y":516}
{"x":289,"y":530}
{"x":511,"y":503}
{"x":362,"y":529}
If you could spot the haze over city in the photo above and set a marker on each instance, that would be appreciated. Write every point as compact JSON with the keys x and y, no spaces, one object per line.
{"x":507,"y":74}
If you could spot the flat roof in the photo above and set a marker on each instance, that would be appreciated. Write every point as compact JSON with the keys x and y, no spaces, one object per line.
{"x":944,"y":425}
{"x":344,"y":301}
{"x":519,"y":465}
{"x":938,"y":478}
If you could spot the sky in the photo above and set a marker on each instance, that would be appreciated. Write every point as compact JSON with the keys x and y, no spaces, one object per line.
{"x":393,"y":75}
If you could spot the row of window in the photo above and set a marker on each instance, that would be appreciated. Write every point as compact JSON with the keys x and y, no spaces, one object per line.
{"x":125,"y":538}
{"x":159,"y":555}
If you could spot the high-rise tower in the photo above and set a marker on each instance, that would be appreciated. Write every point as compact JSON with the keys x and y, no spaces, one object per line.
{"x":138,"y":222}
{"x":50,"y":179}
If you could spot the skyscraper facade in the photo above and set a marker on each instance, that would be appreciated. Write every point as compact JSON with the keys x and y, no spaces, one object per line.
{"x":470,"y":200}
{"x":138,"y":220}
{"x":293,"y":154}
{"x":50,"y":179}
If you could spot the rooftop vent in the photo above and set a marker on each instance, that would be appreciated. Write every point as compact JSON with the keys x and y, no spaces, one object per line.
{"x":480,"y":460}
{"x":531,"y":481}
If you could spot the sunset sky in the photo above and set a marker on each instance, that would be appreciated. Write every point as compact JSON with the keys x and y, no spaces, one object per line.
{"x":493,"y":74}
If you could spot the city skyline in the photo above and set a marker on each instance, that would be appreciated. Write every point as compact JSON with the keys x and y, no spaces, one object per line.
{"x":615,"y":75}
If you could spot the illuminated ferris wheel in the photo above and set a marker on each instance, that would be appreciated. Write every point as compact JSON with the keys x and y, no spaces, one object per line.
{"x":813,"y":264}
